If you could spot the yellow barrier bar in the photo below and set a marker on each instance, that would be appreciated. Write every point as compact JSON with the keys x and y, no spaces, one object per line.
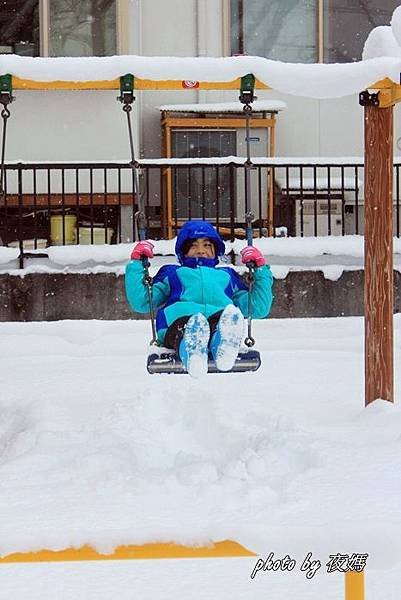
{"x":226,"y":548}
{"x":354,"y":586}
{"x":139,"y":84}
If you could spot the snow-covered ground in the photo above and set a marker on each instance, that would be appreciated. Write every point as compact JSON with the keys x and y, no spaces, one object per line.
{"x":330,"y":254}
{"x":94,"y":450}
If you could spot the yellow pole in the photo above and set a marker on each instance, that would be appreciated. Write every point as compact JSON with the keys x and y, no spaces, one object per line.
{"x":354,"y":586}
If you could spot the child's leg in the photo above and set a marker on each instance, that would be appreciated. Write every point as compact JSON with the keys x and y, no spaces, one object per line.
{"x":175,"y":333}
{"x":189,"y":337}
{"x":227,"y":337}
{"x":193,"y":349}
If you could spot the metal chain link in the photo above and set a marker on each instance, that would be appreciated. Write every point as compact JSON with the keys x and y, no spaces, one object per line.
{"x":140,"y":218}
{"x":148,"y":281}
{"x":249,"y":340}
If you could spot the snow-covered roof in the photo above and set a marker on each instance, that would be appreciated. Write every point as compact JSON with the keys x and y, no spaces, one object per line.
{"x":225,"y":107}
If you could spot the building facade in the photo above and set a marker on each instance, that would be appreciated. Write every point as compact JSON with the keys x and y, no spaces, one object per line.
{"x":88,"y":125}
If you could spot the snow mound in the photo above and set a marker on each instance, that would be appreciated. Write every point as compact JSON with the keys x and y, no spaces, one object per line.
{"x":384,"y":40}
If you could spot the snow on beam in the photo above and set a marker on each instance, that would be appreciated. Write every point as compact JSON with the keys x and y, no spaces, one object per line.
{"x":308,"y":80}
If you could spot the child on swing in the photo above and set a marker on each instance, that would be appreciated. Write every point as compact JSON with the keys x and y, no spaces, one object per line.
{"x":201,"y":307}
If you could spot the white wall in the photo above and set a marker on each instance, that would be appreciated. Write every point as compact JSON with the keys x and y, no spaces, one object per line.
{"x":68,"y":126}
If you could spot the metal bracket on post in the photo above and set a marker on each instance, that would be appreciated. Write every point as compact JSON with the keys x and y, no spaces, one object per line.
{"x":6,"y":90}
{"x":126,"y":96}
{"x":247,"y":89}
{"x":369,"y":99}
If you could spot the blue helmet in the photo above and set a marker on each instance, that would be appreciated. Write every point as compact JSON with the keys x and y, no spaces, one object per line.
{"x":193,"y":230}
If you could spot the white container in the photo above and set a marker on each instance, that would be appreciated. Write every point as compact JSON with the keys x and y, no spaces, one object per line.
{"x":101,"y":235}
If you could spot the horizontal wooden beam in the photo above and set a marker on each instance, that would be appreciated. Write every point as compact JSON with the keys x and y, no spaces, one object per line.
{"x":139,"y":84}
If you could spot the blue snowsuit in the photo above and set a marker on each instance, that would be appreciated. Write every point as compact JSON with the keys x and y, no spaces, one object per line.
{"x":196,"y":285}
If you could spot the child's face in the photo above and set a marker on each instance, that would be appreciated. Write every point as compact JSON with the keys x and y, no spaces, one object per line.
{"x":201,"y":248}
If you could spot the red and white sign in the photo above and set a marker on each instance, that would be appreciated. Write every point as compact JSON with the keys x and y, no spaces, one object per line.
{"x":188,"y":85}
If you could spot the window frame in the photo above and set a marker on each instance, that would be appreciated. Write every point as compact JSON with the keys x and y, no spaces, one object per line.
{"x":121,"y":26}
{"x":320,"y":38}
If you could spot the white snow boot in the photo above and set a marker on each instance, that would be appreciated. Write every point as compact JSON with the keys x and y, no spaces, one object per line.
{"x":227,"y":338}
{"x":193,"y":348}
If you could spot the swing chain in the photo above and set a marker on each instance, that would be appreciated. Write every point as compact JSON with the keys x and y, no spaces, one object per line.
{"x":249,"y":340}
{"x":127,"y":98}
{"x":246,"y":97}
{"x":6,"y":98}
{"x":148,"y":281}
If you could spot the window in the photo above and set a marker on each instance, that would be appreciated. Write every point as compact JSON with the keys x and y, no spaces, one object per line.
{"x":348,"y":23}
{"x":82,"y":28}
{"x":306,"y":30}
{"x":278,"y":29}
{"x":19,"y":27}
{"x":59,"y":27}
{"x":203,"y":192}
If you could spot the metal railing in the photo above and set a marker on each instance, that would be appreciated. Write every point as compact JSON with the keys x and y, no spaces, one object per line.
{"x":289,"y":197}
{"x":89,"y":203}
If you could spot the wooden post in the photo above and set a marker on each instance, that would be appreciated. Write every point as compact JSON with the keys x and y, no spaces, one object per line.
{"x":379,"y":291}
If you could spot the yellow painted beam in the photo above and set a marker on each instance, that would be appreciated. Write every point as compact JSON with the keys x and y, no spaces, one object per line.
{"x":30,"y":84}
{"x":226,"y":548}
{"x":354,"y":586}
{"x":139,"y":84}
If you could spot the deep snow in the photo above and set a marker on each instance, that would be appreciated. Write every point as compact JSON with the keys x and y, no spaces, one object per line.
{"x":94,"y":450}
{"x":288,"y":457}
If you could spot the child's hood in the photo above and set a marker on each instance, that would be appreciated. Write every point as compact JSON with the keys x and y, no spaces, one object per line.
{"x":193,"y":230}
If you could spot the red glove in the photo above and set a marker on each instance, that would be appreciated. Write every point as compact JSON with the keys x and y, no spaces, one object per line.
{"x":250,"y":254}
{"x":141,"y":249}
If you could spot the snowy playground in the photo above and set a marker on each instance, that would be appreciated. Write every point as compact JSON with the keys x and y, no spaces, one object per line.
{"x":285,"y":460}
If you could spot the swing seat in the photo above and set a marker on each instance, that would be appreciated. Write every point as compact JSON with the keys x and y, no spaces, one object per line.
{"x":168,"y":361}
